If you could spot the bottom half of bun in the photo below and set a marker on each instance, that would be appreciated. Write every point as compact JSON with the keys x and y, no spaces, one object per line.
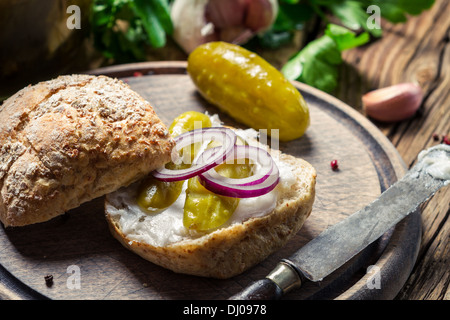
{"x":232,"y":249}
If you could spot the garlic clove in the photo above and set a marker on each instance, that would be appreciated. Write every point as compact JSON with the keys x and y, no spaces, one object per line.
{"x":261,"y":14}
{"x":394,"y":103}
{"x":225,"y":14}
{"x":190,"y":28}
{"x":236,"y":35}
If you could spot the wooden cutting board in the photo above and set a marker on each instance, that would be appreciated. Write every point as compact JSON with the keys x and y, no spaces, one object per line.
{"x":86,"y":262}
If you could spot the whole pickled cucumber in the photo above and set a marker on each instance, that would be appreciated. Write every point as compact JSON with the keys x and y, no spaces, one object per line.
{"x":249,"y":89}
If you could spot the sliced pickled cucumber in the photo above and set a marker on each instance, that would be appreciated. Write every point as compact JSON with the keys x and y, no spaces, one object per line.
{"x":249,"y":89}
{"x":189,"y":121}
{"x":205,"y":210}
{"x":155,"y":195}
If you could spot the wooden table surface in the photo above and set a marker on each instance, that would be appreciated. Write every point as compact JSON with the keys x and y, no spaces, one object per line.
{"x":416,"y":51}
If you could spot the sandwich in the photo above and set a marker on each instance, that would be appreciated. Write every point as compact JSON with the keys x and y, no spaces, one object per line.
{"x":221,"y":222}
{"x":205,"y":200}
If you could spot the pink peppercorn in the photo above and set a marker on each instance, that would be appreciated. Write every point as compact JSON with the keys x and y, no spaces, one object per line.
{"x":446,"y":140}
{"x":334,"y":165}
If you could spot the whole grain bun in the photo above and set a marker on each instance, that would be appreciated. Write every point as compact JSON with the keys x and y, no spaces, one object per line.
{"x":72,"y":139}
{"x":232,"y":249}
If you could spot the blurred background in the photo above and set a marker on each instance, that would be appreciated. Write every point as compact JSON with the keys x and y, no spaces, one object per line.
{"x":37,"y":44}
{"x":41,"y":39}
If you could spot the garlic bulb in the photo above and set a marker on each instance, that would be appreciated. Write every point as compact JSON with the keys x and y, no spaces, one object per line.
{"x":199,"y":21}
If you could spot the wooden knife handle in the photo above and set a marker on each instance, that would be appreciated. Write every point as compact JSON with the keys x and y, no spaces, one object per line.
{"x":264,"y":289}
{"x":281,"y":280}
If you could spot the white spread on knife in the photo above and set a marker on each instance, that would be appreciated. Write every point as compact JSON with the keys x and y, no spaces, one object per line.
{"x":437,"y":164}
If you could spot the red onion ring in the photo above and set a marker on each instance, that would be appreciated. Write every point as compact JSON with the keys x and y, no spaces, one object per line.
{"x":264,"y":181}
{"x":263,"y":158}
{"x":225,"y":135}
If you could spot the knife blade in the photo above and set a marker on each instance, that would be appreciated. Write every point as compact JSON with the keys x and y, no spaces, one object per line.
{"x":342,"y":241}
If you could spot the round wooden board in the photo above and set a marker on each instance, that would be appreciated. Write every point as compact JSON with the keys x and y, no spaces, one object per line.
{"x":79,"y":242}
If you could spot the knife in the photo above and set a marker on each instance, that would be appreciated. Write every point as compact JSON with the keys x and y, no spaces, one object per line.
{"x":340,"y":242}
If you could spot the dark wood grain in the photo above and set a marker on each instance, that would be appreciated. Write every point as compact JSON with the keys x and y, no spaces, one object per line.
{"x":368,"y":164}
{"x":416,"y":51}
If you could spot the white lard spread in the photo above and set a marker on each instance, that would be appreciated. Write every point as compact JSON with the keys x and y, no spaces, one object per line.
{"x":166,"y":227}
{"x":437,"y":165}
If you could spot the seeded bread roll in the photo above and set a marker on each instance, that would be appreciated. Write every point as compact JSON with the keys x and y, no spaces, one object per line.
{"x":72,"y":139}
{"x":228,"y":250}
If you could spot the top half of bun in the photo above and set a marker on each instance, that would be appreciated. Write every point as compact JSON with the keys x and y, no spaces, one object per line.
{"x":71,"y":139}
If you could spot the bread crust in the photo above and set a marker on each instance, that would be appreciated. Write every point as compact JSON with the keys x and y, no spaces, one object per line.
{"x":70,"y":140}
{"x":231,"y":250}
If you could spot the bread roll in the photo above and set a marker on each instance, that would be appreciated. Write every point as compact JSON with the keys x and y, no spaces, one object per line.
{"x":228,"y":250}
{"x":72,"y":139}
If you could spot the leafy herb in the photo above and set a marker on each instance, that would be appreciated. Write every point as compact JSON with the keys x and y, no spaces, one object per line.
{"x":292,"y":16}
{"x":318,"y":62}
{"x":344,"y":38}
{"x":122,"y":29}
{"x":397,"y":10}
{"x":353,"y":13}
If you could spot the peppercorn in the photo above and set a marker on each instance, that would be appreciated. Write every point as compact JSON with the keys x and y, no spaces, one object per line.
{"x":49,"y":280}
{"x":334,"y":165}
{"x":446,"y":140}
{"x":435,"y":136}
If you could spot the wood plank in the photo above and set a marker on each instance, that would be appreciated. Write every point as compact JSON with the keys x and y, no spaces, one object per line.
{"x":417,"y":51}
{"x":434,"y":256}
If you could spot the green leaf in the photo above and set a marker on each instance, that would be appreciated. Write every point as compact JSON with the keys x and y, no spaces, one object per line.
{"x":318,"y":62}
{"x":353,"y":15}
{"x":142,"y":22}
{"x":315,"y":64}
{"x":273,"y":40}
{"x":350,"y":13}
{"x":162,"y":11}
{"x":396,"y":11}
{"x":288,"y":1}
{"x":144,"y":9}
{"x":101,"y":15}
{"x":292,"y":16}
{"x":415,"y":7}
{"x":344,"y":39}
